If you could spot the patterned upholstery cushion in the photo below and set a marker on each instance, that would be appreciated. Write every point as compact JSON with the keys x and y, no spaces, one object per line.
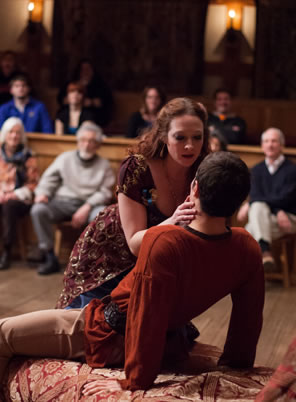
{"x":45,"y":380}
{"x":282,"y":385}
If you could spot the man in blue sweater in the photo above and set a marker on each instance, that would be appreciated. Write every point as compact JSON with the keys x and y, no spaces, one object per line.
{"x":33,"y":113}
{"x":272,"y":207}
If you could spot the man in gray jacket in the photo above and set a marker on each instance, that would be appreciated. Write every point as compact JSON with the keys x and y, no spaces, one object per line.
{"x":75,"y":187}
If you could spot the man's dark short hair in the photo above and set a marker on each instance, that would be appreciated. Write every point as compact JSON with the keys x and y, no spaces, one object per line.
{"x":219,"y":90}
{"x":223,"y":182}
{"x":20,"y":77}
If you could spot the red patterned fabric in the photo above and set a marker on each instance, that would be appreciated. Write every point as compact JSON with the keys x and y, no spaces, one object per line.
{"x":282,"y":385}
{"x":45,"y":380}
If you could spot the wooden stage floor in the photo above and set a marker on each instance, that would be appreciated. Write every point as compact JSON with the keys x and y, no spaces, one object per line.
{"x":22,"y":290}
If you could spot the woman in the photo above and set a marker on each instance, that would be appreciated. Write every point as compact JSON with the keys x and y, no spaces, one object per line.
{"x":153,"y":101}
{"x":18,"y":178}
{"x":71,"y":116}
{"x":98,"y":96}
{"x":153,"y":183}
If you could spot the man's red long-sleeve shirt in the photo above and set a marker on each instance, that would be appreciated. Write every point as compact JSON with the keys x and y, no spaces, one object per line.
{"x":179,"y":274}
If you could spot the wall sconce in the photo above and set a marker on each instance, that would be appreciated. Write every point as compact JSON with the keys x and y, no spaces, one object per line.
{"x":231,"y":14}
{"x":35,"y":9}
{"x":234,"y":16}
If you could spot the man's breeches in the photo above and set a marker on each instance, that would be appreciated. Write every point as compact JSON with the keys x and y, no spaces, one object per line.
{"x":47,"y":333}
{"x":263,"y":224}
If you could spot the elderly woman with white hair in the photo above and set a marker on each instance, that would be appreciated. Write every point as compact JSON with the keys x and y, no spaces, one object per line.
{"x":75,"y":187}
{"x":18,"y":179}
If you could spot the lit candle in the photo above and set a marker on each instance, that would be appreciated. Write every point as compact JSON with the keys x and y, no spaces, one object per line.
{"x":31,"y":7}
{"x":231,"y":14}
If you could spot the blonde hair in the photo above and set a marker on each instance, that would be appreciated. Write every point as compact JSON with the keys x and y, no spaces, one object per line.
{"x":8,"y":125}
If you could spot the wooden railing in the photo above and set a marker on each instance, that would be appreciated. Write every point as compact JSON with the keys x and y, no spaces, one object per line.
{"x":48,"y":147}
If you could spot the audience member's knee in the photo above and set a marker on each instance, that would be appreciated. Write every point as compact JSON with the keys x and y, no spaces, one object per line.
{"x":39,"y":209}
{"x":259,"y":207}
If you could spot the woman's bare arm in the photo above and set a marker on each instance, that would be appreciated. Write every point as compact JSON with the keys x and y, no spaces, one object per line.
{"x":133,"y":218}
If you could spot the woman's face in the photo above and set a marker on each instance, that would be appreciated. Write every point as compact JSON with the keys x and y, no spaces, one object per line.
{"x":75,"y":97}
{"x":185,"y":139}
{"x":152,"y":100}
{"x":14,"y":136}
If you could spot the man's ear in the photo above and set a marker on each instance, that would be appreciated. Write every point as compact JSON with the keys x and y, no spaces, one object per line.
{"x":195,"y":189}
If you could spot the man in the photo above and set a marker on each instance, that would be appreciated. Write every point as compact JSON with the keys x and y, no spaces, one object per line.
{"x":75,"y":187}
{"x":32,"y":112}
{"x":180,"y":273}
{"x":272,"y":208}
{"x":223,"y":120}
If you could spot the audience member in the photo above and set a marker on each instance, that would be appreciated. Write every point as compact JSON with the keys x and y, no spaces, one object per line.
{"x":73,"y":114}
{"x":153,"y":185}
{"x":272,"y":207}
{"x":33,"y":113}
{"x":75,"y":187}
{"x":140,"y":323}
{"x":8,"y":70}
{"x":153,"y":100}
{"x":18,"y":178}
{"x":217,"y":142}
{"x":232,"y":127}
{"x":98,"y":95}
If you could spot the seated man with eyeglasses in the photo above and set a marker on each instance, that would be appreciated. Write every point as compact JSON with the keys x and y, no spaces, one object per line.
{"x":75,"y":187}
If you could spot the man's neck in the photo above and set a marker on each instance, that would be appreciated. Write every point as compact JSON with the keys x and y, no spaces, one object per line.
{"x":272,"y":160}
{"x":20,"y":103}
{"x":210,"y":225}
{"x":226,"y":114}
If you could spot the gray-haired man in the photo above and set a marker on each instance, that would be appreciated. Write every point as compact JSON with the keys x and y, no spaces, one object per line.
{"x":75,"y":187}
{"x":272,"y":208}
